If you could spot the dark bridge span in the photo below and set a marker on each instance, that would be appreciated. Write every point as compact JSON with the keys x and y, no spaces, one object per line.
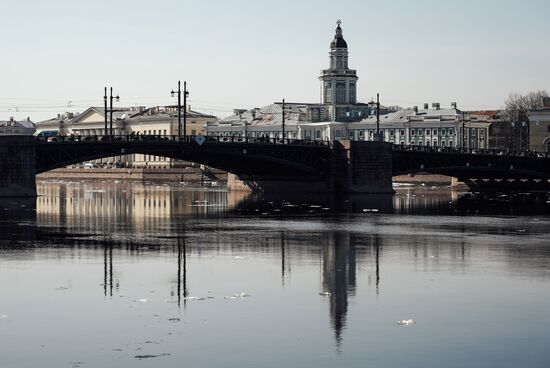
{"x":344,"y":166}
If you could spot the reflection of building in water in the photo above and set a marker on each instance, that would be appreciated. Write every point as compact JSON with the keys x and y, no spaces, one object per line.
{"x":92,"y":205}
{"x":338,"y":278}
{"x":423,"y":200}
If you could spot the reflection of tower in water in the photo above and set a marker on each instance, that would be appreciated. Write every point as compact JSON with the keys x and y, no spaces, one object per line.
{"x":108,"y":268}
{"x":339,"y":278}
{"x":182,"y":271}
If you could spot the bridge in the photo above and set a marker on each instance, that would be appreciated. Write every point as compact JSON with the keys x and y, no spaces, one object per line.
{"x":293,"y":165}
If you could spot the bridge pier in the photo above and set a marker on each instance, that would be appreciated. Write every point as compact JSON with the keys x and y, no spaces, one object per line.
{"x":363,"y":167}
{"x":17,"y":166}
{"x":355,"y":167}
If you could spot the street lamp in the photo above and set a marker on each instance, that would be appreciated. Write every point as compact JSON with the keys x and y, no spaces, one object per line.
{"x":185,"y":94}
{"x":179,"y":108}
{"x":109,"y":110}
{"x":117,"y":98}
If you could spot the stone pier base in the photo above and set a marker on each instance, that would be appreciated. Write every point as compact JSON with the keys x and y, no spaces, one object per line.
{"x":17,"y":166}
{"x":355,"y":167}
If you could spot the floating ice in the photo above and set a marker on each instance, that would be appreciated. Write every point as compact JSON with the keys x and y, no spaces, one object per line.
{"x":193,"y":298}
{"x":141,"y":300}
{"x":406,"y":322}
{"x":237,"y":296}
{"x":239,"y":257}
{"x":145,"y":356}
{"x":325,"y":293}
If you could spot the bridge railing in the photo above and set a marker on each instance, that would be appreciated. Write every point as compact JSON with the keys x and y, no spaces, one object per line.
{"x":473,"y":151}
{"x":175,"y":139}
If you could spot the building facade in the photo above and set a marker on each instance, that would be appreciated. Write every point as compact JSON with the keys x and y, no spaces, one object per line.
{"x":14,"y":127}
{"x":157,"y":121}
{"x":539,"y":127}
{"x":339,"y":115}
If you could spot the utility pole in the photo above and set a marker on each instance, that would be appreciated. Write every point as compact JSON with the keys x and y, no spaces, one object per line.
{"x":377,"y":117}
{"x":463,"y":130}
{"x":117,"y":98}
{"x":179,"y":108}
{"x":111,"y":114}
{"x":185,"y":94}
{"x":283,"y":121}
{"x":105,"y":102}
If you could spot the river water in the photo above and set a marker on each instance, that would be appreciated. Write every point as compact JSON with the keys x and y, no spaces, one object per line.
{"x":99,"y":274}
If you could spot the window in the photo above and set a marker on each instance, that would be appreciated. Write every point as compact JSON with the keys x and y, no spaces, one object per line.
{"x":412,"y":132}
{"x":427,"y":132}
{"x":318,"y":134}
{"x":451,"y":144}
{"x":164,"y":131}
{"x":402,"y":133}
{"x":419,"y":143}
{"x":419,"y":132}
{"x":434,"y":132}
{"x":451,"y":131}
{"x":155,"y":132}
{"x":391,"y":132}
{"x":443,"y":132}
{"x":428,"y":143}
{"x":360,"y":133}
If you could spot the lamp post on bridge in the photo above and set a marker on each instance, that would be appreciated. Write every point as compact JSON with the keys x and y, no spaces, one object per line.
{"x":185,"y":94}
{"x":109,"y":129}
{"x":179,"y":108}
{"x":117,"y":98}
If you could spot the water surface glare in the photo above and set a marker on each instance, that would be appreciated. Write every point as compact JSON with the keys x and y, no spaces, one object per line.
{"x":153,"y":275}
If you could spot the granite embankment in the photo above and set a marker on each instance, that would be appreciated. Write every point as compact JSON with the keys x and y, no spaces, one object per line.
{"x":138,"y":174}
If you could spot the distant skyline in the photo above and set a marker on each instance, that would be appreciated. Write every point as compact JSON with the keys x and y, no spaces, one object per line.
{"x":58,"y":55}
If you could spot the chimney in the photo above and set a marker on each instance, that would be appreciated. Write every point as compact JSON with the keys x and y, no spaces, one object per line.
{"x":453,"y":105}
{"x":415,"y":108}
{"x":426,"y":106}
{"x":436,"y":105}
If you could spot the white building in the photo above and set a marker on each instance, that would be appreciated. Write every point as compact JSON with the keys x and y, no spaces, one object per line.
{"x":539,"y":127}
{"x":340,"y":116}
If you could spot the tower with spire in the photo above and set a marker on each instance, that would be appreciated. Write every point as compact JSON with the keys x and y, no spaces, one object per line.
{"x":338,"y":82}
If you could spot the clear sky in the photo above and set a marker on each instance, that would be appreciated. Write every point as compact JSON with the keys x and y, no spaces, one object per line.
{"x":243,"y":54}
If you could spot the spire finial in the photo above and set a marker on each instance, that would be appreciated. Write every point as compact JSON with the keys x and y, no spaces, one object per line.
{"x":338,"y":22}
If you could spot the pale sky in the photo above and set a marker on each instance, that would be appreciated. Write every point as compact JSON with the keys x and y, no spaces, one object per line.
{"x":244,"y":54}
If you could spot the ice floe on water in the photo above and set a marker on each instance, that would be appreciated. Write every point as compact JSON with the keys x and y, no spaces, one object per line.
{"x":406,"y":322}
{"x":237,"y":296}
{"x":146,"y":356}
{"x":325,"y":293}
{"x":143,"y":300}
